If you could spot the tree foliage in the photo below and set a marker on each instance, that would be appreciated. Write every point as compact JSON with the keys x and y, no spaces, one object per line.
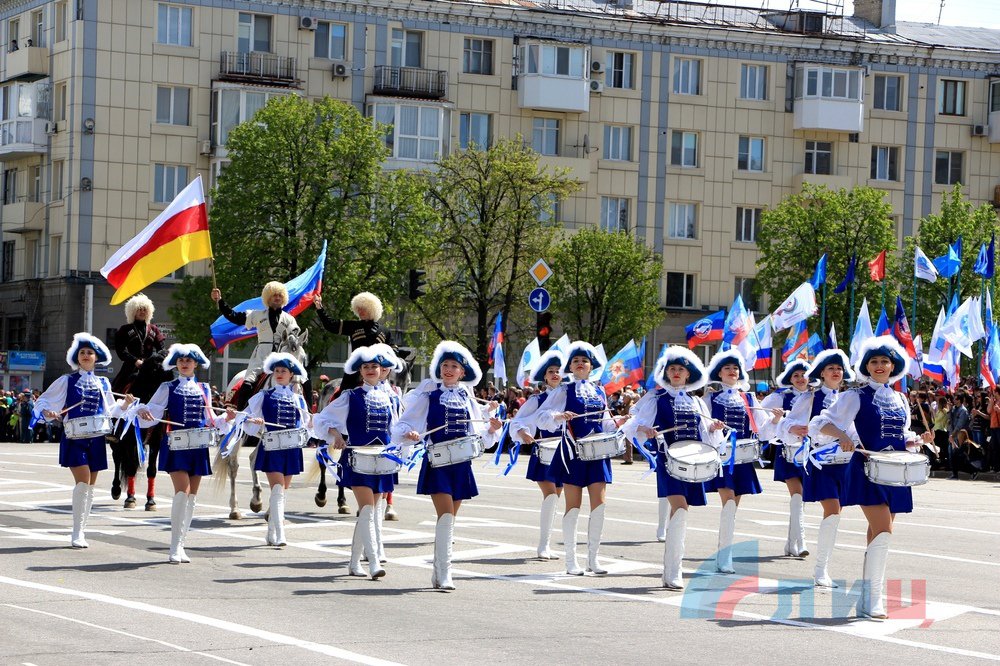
{"x":798,"y":231}
{"x":605,"y":287}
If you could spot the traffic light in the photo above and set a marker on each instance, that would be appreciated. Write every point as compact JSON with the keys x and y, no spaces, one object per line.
{"x":543,"y":329}
{"x":417,"y":283}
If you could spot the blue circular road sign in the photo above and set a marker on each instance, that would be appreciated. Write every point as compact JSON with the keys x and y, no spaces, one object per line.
{"x":539,"y":299}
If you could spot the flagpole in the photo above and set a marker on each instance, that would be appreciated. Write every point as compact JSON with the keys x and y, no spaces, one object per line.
{"x":851,"y":329}
{"x":822,"y":314}
{"x":883,"y":292}
{"x":913,"y":319}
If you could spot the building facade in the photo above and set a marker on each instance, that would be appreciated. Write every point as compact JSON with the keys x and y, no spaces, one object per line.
{"x":680,"y":121}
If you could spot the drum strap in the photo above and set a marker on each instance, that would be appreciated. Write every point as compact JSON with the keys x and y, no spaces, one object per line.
{"x":746,"y":405}
{"x":801,"y":451}
{"x":568,"y":445}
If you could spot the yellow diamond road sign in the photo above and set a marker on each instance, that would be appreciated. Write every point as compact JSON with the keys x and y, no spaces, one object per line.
{"x":540,"y":272}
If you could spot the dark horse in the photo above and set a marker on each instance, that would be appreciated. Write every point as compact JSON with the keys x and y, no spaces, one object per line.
{"x":124,"y":448}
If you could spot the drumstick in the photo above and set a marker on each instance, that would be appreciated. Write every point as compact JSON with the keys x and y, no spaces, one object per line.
{"x":71,"y":407}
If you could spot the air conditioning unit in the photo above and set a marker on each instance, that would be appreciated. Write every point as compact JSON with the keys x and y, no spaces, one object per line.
{"x":308,"y":22}
{"x":597,"y":67}
{"x":596,"y":87}
{"x":205,"y":147}
{"x":51,"y":127}
{"x":980,"y":130}
{"x":341,"y":70}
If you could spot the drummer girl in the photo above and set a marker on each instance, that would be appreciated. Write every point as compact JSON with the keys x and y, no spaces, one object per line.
{"x":873,"y":417}
{"x":547,"y":370}
{"x":446,"y":405}
{"x":738,"y":410}
{"x":75,"y":396}
{"x":582,"y":406}
{"x":187,"y":403}
{"x":825,"y":484}
{"x":678,"y":372}
{"x":278,"y":408}
{"x":794,"y":380}
{"x":365,"y":414}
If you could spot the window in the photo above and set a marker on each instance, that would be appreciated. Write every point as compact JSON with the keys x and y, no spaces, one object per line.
{"x":9,"y":186}
{"x":416,"y":132}
{"x":477,"y":56}
{"x":168,"y":180}
{"x":680,"y":290}
{"x":747,"y":223}
{"x":35,"y":184}
{"x":994,"y":96}
{"x":56,"y":191}
{"x":253,"y":33}
{"x":947,"y":167}
{"x":407,"y":48}
{"x":888,"y":92}
{"x":683,"y":220}
{"x":552,"y":60}
{"x":617,"y":143}
{"x":62,"y":14}
{"x":745,"y":288}
{"x":232,"y":106}
{"x":330,"y":41}
{"x":753,"y":82}
{"x":172,"y":105}
{"x":751,"y":154}
{"x":173,"y":25}
{"x":7,"y":263}
{"x":885,"y":161}
{"x":828,"y":83}
{"x":687,"y":76}
{"x":474,"y":130}
{"x":37,"y":28}
{"x":684,"y":148}
{"x":14,"y":33}
{"x":545,"y":136}
{"x":61,"y":101}
{"x":819,"y":157}
{"x":614,"y":214}
{"x":619,"y":70}
{"x":548,"y":209}
{"x":951,"y":97}
{"x":55,"y":254}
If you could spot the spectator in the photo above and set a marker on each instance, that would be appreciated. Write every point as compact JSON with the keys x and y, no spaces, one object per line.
{"x":26,"y":404}
{"x":993,"y":452}
{"x":966,"y":456}
{"x":958,"y":421}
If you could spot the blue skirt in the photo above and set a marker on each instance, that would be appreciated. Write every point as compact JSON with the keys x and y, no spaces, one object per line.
{"x":862,"y":492}
{"x":381,"y":483}
{"x":667,"y":485}
{"x":539,"y":472}
{"x":742,"y":480}
{"x":830,"y":482}
{"x":91,"y":452}
{"x":581,"y":473}
{"x":455,"y":480}
{"x":194,"y":461}
{"x":784,"y":470}
{"x":287,"y":462}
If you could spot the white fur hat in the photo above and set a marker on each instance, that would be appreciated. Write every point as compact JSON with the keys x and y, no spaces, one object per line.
{"x":830,"y":357}
{"x":580,"y":348}
{"x":372,"y":354}
{"x":448,"y":350}
{"x":784,"y":380}
{"x":722,"y":358}
{"x":136,"y":303}
{"x":81,"y":340}
{"x":883,"y":345}
{"x":178,"y":351}
{"x":284,"y":360}
{"x":390,"y":353}
{"x":552,"y":357}
{"x":368,"y":302}
{"x":677,"y":355}
{"x":272,"y":288}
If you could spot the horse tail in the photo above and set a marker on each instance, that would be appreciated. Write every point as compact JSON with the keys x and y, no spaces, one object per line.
{"x":220,"y":469}
{"x":314,"y":471}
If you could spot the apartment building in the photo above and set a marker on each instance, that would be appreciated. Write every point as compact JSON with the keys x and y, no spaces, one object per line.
{"x":681,"y":121}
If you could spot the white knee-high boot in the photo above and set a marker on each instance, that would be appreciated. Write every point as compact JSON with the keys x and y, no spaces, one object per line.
{"x":272,"y":512}
{"x":673,"y":551}
{"x":366,"y":523}
{"x":276,"y":514}
{"x":357,"y":550}
{"x":595,"y":527}
{"x":379,"y":517}
{"x":546,"y":516}
{"x":192,"y":501}
{"x":90,"y":506}
{"x":796,"y":543}
{"x":570,"y":519}
{"x":663,"y":511}
{"x":444,"y":532}
{"x":178,"y":510}
{"x":727,"y":526}
{"x":824,"y":549}
{"x":872,"y":603}
{"x":78,"y":539}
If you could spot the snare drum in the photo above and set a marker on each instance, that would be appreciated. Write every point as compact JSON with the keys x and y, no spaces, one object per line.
{"x":371,"y":461}
{"x":692,"y":461}
{"x":85,"y":427}
{"x":838,"y":457}
{"x":282,"y":440}
{"x":747,"y":451}
{"x":454,"y":451}
{"x":600,"y":446}
{"x":898,"y":468}
{"x":192,"y":438}
{"x":545,"y":449}
{"x":790,"y":452}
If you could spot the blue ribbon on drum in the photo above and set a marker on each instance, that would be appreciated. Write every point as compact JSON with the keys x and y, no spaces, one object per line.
{"x":731,"y":463}
{"x":323,"y":458}
{"x":130,"y":420}
{"x":800,"y":454}
{"x":568,"y":443}
{"x":390,"y":453}
{"x":225,"y":447}
{"x":503,"y":436}
{"x":821,"y":456}
{"x":645,"y":453}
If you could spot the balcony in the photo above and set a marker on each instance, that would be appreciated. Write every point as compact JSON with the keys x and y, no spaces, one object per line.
{"x":830,"y":181}
{"x":553,"y":93}
{"x":832,"y":115}
{"x":410,"y":82}
{"x":257,"y":67}
{"x":23,"y":137}
{"x":28,"y":63}
{"x":23,"y":216}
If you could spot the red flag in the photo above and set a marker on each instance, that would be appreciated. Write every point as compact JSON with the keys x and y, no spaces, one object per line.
{"x":876,"y":267}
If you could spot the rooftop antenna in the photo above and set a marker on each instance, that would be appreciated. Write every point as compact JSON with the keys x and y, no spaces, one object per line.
{"x":940,"y":11}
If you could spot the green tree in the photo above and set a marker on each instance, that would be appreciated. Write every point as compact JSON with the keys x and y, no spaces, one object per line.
{"x":958,"y":217}
{"x":798,"y":231}
{"x":605,"y":287}
{"x":496,"y":220}
{"x":301,"y":172}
